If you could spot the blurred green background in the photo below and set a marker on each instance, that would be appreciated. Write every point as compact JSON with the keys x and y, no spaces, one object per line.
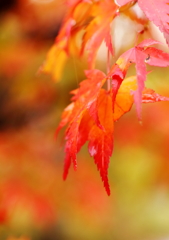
{"x":35,"y":204}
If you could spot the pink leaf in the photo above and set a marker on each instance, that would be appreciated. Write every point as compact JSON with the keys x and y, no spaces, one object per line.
{"x":141,"y":77}
{"x":156,"y":57}
{"x":148,"y":42}
{"x":157,"y":11}
{"x":108,"y":41}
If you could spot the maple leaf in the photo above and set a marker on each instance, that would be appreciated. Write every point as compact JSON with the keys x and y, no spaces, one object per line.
{"x":140,"y":55}
{"x":65,"y":44}
{"x":91,"y":18}
{"x":84,"y":127}
{"x":155,"y":11}
{"x":66,"y":117}
{"x":84,"y":98}
{"x":94,"y":110}
{"x":125,"y":99}
{"x":150,"y":96}
{"x":101,"y":141}
{"x":118,"y":71}
{"x":89,"y":90}
{"x":99,"y":29}
{"x":71,"y":143}
{"x":141,"y":78}
{"x":87,"y":117}
{"x":156,"y":57}
{"x":91,"y":115}
{"x":55,"y":61}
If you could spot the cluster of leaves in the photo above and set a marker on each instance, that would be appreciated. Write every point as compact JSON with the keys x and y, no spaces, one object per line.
{"x":94,"y":108}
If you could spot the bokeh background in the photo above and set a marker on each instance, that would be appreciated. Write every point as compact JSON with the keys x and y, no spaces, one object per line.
{"x":35,"y":204}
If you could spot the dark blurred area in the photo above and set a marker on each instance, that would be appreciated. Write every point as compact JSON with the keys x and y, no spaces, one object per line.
{"x":25,"y":35}
{"x":7,"y":5}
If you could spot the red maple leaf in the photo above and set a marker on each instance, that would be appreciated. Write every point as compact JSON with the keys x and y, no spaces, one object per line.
{"x":98,"y":128}
{"x":94,"y":109}
{"x":101,"y":141}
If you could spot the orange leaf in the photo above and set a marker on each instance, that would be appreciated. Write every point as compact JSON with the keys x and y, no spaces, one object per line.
{"x":124,"y":98}
{"x":98,"y":29}
{"x":65,"y":44}
{"x":150,"y":96}
{"x":101,"y":142}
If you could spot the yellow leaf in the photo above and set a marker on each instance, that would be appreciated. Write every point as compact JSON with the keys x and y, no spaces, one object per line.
{"x":55,"y":62}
